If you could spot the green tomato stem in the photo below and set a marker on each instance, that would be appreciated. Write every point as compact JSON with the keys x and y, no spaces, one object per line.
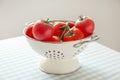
{"x":47,"y":21}
{"x":65,"y":30}
{"x":81,"y":17}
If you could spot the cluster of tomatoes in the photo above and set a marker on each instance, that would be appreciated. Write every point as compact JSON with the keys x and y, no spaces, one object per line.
{"x":45,"y":30}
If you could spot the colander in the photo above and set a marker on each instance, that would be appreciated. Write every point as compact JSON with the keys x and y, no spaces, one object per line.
{"x":60,"y":57}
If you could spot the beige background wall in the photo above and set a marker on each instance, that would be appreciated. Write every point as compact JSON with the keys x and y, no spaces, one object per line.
{"x":106,"y":14}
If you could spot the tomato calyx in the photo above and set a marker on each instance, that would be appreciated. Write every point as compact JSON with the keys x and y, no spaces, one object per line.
{"x":62,"y":28}
{"x":81,"y":18}
{"x":70,"y":33}
{"x":47,"y":21}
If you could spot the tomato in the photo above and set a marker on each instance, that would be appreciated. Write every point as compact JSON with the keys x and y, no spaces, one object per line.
{"x":58,"y":28}
{"x":42,"y":30}
{"x":71,"y":24}
{"x":86,"y":25}
{"x":53,"y":39}
{"x":73,"y":34}
{"x":28,"y":31}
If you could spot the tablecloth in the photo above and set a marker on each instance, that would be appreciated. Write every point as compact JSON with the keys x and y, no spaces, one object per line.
{"x":19,"y":62}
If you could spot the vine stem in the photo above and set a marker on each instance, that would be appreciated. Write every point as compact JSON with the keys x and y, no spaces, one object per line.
{"x":65,"y":30}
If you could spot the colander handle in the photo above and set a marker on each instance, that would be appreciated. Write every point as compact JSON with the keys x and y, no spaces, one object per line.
{"x":92,"y":38}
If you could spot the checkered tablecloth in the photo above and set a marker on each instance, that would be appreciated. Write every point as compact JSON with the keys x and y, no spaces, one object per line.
{"x":19,"y":62}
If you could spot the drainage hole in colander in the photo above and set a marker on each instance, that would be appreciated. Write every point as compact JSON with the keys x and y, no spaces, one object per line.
{"x":58,"y":52}
{"x":49,"y":51}
{"x":53,"y":50}
{"x":53,"y":54}
{"x":78,"y":50}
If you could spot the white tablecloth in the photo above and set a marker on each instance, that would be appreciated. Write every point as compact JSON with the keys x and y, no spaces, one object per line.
{"x":19,"y":62}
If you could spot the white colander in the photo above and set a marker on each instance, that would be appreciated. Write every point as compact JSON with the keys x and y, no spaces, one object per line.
{"x":60,"y":57}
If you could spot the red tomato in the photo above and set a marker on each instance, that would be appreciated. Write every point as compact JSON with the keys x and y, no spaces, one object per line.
{"x":86,"y":25}
{"x":58,"y":28}
{"x":53,"y":39}
{"x":71,"y":24}
{"x":28,"y":31}
{"x":73,"y":34}
{"x":42,"y":30}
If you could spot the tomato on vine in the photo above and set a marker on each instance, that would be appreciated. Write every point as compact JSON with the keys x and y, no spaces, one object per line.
{"x":28,"y":30}
{"x":42,"y":30}
{"x":86,"y":25}
{"x":73,"y":34}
